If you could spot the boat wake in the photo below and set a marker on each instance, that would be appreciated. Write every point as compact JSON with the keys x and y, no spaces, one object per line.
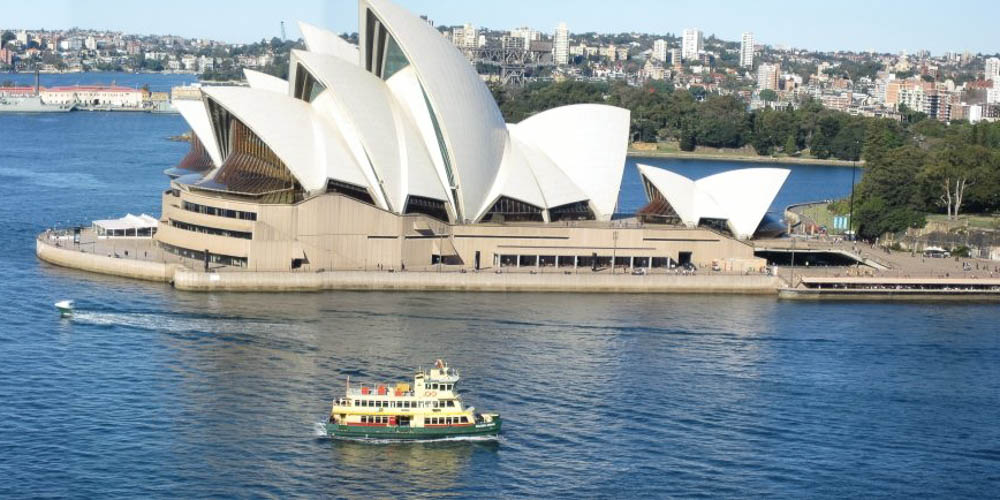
{"x":319,"y":431}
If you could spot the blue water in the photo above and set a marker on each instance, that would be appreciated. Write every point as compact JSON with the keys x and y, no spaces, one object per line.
{"x":154,"y":393}
{"x":157,"y":83}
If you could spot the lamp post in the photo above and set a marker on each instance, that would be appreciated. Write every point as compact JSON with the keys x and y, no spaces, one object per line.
{"x":854,"y":173}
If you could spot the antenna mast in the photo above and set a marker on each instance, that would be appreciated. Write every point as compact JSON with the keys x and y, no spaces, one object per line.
{"x":283,"y":36}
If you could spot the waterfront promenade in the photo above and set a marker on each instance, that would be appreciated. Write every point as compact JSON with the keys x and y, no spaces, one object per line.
{"x":141,"y":259}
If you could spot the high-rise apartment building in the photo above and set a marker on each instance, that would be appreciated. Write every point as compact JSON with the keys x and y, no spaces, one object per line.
{"x":993,"y":68}
{"x":560,"y":45}
{"x":767,"y":76}
{"x":466,"y":37}
{"x":693,"y":43}
{"x":746,"y":50}
{"x":528,"y":35}
{"x":675,"y":58}
{"x":660,"y":51}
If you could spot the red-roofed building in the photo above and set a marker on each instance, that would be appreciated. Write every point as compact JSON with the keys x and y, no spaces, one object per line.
{"x":17,"y":91}
{"x":94,"y":95}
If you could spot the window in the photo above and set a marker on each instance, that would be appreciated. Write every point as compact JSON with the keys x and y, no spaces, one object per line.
{"x":426,"y":206}
{"x":307,"y":87}
{"x":213,"y":258}
{"x":350,"y":190}
{"x":211,"y":230}
{"x":451,"y":404}
{"x":364,"y":419}
{"x":436,"y":403}
{"x":394,"y":59}
{"x":465,"y":420}
{"x":219,"y":212}
{"x":509,"y":209}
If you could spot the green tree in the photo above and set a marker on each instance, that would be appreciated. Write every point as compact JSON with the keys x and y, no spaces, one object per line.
{"x":688,"y":141}
{"x":6,"y":37}
{"x":791,"y":147}
{"x":768,"y":95}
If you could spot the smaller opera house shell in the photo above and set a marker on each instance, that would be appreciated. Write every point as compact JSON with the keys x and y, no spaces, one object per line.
{"x":394,"y":155}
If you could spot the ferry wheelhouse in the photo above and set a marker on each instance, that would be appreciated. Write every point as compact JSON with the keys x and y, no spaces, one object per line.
{"x":430,"y":408}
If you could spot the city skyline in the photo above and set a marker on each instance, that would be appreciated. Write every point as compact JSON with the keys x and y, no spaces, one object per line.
{"x":873,"y":28}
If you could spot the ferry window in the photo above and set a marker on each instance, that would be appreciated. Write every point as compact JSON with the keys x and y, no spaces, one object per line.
{"x":448,"y":420}
{"x":434,"y":386}
{"x":451,"y":403}
{"x":364,"y":419}
{"x":465,"y":420}
{"x":435,"y":404}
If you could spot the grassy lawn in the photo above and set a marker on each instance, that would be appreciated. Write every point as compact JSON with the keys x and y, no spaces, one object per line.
{"x":821,"y":215}
{"x":976,"y":221}
{"x":672,"y":148}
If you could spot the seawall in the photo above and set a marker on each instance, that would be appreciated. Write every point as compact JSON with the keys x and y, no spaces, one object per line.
{"x":183,"y":278}
{"x":102,"y":264}
{"x":476,"y":282}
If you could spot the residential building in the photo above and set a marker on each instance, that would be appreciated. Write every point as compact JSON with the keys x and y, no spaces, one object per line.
{"x":692,"y":44}
{"x":660,"y":51}
{"x":768,"y":76}
{"x":676,"y":58}
{"x":746,"y":50}
{"x":993,"y":68}
{"x":560,"y":45}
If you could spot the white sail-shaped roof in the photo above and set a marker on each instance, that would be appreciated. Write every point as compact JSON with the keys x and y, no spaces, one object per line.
{"x":322,"y":41}
{"x":471,"y":127}
{"x":368,"y":105}
{"x":406,"y":89}
{"x":196,"y":115}
{"x":745,"y":195}
{"x":740,"y":197}
{"x":589,"y":143}
{"x":264,"y":81}
{"x":307,"y":143}
{"x":557,"y":188}
{"x":514,"y":180}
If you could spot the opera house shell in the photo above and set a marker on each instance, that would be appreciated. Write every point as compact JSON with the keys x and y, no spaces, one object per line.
{"x":393,"y":154}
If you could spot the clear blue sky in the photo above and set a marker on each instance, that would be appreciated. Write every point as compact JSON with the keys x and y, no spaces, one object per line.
{"x":884,"y":25}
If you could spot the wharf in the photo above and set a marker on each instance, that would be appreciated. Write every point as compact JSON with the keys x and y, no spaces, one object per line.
{"x":851,"y":288}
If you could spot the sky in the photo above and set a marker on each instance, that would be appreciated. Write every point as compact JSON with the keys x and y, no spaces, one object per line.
{"x":859,"y":25}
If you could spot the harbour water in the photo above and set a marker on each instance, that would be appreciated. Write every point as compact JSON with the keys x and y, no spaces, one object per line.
{"x":151,"y":392}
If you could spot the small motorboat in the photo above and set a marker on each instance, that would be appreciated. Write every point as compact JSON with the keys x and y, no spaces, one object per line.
{"x":65,"y":308}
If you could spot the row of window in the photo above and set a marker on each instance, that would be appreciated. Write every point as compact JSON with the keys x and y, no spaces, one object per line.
{"x":365,"y":419}
{"x":211,"y":230}
{"x":441,"y":387}
{"x":213,"y":258}
{"x":446,"y":420}
{"x":219,"y":212}
{"x":367,"y":403}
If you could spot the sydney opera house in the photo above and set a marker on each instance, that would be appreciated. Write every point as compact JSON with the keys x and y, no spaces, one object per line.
{"x":393,"y":154}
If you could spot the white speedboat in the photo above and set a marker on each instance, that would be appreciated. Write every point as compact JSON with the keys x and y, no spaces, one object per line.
{"x":65,"y":308}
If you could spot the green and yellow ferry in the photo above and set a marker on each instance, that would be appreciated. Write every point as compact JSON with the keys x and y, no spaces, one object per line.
{"x":428,"y":409}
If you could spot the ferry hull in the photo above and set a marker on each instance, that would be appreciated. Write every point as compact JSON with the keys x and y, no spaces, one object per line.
{"x":413,"y":433}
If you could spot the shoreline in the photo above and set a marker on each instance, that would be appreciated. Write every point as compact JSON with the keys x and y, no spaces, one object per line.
{"x":635,"y":153}
{"x":185,"y":279}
